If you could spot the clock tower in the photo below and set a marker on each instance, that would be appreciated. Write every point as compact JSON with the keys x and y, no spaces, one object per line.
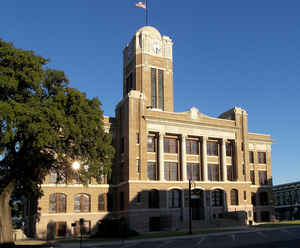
{"x":148,"y":68}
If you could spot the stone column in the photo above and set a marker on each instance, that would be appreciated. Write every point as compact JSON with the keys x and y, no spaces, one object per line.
{"x":183,"y":157}
{"x":224,"y":160}
{"x":204,"y":158}
{"x":161,"y":157}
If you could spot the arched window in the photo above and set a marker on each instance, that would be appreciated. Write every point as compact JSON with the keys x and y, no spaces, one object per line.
{"x":263,"y":198}
{"x":234,"y":197}
{"x":153,"y":198}
{"x":174,"y":198}
{"x":57,"y":203}
{"x":217,"y":198}
{"x":101,"y":202}
{"x":82,"y":203}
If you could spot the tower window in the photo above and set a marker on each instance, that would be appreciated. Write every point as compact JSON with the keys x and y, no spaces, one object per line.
{"x":157,"y":88}
{"x":130,"y":83}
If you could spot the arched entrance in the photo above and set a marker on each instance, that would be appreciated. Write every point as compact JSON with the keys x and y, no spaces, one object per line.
{"x":197,"y":204}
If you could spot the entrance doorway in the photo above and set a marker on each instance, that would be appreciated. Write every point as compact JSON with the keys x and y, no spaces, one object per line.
{"x":197,"y":204}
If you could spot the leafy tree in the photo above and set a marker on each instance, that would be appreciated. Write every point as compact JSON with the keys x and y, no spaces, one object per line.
{"x":44,"y":125}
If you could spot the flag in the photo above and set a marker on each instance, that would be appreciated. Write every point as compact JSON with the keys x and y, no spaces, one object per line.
{"x":141,"y":5}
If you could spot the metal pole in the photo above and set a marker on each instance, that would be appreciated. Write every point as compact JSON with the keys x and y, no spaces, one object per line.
{"x":190,"y":207}
{"x":146,"y":12}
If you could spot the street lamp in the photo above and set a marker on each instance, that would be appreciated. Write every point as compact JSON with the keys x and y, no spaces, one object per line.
{"x":190,"y":206}
{"x":76,"y":165}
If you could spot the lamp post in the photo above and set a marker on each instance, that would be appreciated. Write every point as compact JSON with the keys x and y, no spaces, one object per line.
{"x":76,"y":165}
{"x":190,"y":206}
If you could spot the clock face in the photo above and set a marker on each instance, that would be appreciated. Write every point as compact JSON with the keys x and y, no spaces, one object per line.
{"x":156,"y":47}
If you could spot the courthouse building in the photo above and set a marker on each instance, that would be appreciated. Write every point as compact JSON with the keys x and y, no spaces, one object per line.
{"x":287,"y":201}
{"x":158,"y":151}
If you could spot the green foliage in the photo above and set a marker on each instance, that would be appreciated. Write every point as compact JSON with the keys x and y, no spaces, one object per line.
{"x":45,"y":124}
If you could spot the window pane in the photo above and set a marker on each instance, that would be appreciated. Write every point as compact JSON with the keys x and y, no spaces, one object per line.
{"x":101,"y":202}
{"x":77,"y":203}
{"x":251,"y":157}
{"x":85,"y":203}
{"x":234,"y":197}
{"x":217,"y":198}
{"x":160,"y":89}
{"x":261,"y":157}
{"x":170,"y":145}
{"x":212,"y":148}
{"x":194,"y":147}
{"x":174,"y":198}
{"x":61,"y":203}
{"x":52,"y":203}
{"x":188,"y":171}
{"x":252,"y":177}
{"x":213,"y":172}
{"x":229,"y":172}
{"x":151,"y":170}
{"x":174,"y":172}
{"x":167,"y":169}
{"x":228,"y":149}
{"x":153,"y":88}
{"x":151,"y":143}
{"x":173,"y":145}
{"x":262,"y":177}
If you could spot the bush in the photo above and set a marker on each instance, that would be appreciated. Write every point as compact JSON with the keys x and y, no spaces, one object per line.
{"x":114,"y":228}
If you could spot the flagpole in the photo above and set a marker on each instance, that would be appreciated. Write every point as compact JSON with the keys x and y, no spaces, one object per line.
{"x":146,"y":12}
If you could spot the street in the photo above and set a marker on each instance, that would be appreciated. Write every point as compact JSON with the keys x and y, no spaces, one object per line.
{"x":279,"y":238}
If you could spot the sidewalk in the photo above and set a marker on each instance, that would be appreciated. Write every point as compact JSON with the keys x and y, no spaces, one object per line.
{"x":98,"y":243}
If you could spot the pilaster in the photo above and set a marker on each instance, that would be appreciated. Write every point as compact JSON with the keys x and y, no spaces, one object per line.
{"x":161,"y":157}
{"x":183,"y":156}
{"x":224,"y":168}
{"x":204,"y":158}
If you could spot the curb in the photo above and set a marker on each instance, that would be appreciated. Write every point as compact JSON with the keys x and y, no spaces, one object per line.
{"x":188,"y":236}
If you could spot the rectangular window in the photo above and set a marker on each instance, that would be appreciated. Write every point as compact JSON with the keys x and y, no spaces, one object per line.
{"x":161,"y":89}
{"x":212,"y":148}
{"x":245,"y":195}
{"x":193,"y":171}
{"x":170,"y":145}
{"x":137,"y":138}
{"x":152,"y":175}
{"x":153,"y":88}
{"x":101,"y":202}
{"x":229,"y":172}
{"x":228,"y":149}
{"x":171,"y":171}
{"x":192,"y":147}
{"x":213,"y":172}
{"x":261,"y":157}
{"x":262,"y":175}
{"x":244,"y":169}
{"x":252,"y":178}
{"x":151,"y":143}
{"x":251,"y":157}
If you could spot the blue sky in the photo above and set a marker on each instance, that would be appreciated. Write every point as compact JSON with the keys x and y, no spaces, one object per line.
{"x":226,"y":53}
